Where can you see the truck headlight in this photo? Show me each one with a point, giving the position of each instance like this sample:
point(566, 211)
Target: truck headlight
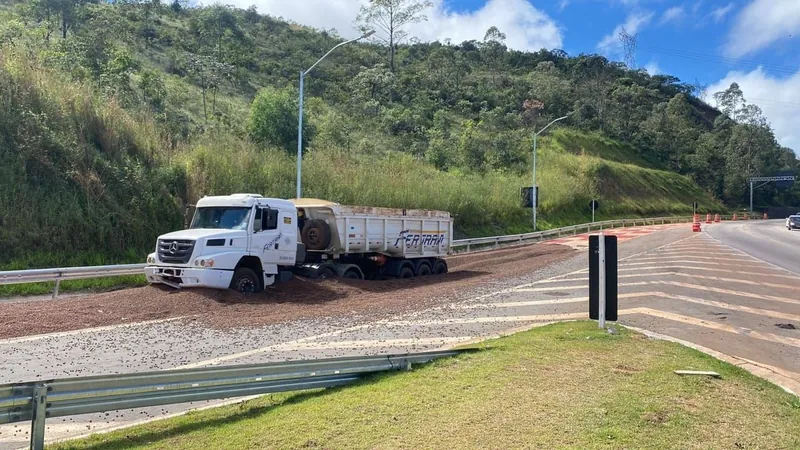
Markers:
point(204, 262)
point(151, 259)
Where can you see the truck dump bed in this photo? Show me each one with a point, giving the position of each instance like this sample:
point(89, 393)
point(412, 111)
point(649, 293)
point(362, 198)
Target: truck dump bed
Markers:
point(401, 233)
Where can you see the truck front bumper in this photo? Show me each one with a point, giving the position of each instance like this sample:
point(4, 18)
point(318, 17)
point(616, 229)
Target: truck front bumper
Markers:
point(185, 277)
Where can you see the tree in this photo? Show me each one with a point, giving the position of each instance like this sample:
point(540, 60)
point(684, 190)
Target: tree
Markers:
point(178, 6)
point(493, 49)
point(273, 119)
point(153, 89)
point(208, 73)
point(388, 17)
point(372, 88)
point(57, 13)
point(730, 101)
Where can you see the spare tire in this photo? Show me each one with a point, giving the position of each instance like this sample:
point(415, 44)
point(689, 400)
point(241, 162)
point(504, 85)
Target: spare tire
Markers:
point(316, 234)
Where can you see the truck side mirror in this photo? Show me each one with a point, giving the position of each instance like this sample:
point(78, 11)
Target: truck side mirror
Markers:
point(257, 221)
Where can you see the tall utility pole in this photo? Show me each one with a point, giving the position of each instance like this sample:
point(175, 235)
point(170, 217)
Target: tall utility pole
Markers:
point(629, 47)
point(535, 190)
point(300, 103)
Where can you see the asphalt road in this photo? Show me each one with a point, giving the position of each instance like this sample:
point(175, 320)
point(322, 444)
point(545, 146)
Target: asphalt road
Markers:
point(181, 342)
point(683, 285)
point(767, 240)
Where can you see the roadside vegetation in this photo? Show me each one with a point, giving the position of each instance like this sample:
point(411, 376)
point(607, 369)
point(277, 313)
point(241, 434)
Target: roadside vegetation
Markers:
point(567, 385)
point(115, 117)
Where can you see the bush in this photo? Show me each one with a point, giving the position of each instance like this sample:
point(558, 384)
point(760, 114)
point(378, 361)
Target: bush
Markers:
point(273, 119)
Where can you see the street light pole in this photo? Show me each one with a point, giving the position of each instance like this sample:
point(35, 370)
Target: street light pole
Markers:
point(535, 191)
point(300, 107)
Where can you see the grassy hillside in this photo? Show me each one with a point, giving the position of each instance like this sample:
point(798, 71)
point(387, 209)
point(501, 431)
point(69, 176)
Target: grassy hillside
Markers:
point(105, 140)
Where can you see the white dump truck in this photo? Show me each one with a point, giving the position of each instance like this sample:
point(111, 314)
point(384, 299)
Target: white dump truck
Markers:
point(246, 242)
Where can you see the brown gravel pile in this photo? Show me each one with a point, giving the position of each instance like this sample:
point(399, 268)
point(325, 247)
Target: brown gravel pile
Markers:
point(300, 298)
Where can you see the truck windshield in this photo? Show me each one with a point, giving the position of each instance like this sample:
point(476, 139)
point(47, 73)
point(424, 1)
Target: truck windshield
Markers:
point(231, 218)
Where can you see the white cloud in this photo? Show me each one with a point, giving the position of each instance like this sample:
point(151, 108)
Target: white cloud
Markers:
point(562, 5)
point(720, 13)
point(779, 98)
point(526, 27)
point(673, 14)
point(653, 68)
point(761, 23)
point(634, 23)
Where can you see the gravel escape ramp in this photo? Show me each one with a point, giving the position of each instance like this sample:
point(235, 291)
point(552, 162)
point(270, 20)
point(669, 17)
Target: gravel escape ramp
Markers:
point(299, 299)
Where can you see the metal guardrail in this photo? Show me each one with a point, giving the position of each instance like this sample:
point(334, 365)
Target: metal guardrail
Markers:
point(496, 241)
point(68, 273)
point(75, 273)
point(40, 400)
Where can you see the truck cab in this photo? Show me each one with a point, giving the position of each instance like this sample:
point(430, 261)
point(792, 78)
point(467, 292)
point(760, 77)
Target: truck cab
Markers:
point(241, 241)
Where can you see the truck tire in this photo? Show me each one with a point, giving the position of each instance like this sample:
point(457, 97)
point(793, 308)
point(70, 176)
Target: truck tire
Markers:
point(406, 272)
point(439, 267)
point(424, 269)
point(351, 275)
point(349, 271)
point(316, 234)
point(246, 281)
point(326, 272)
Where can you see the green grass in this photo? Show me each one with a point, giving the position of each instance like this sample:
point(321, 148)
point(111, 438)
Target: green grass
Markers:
point(567, 385)
point(84, 176)
point(91, 285)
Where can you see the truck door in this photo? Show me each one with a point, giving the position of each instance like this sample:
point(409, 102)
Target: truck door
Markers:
point(287, 224)
point(266, 241)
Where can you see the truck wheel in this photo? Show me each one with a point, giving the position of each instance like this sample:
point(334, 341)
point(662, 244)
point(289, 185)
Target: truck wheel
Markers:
point(326, 272)
point(406, 272)
point(245, 281)
point(316, 234)
point(352, 275)
point(439, 267)
point(423, 270)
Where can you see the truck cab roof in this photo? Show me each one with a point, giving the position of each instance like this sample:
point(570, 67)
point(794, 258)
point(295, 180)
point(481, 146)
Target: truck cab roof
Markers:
point(243, 200)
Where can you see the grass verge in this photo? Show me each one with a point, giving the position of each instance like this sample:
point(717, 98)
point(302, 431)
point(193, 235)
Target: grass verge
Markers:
point(90, 284)
point(566, 385)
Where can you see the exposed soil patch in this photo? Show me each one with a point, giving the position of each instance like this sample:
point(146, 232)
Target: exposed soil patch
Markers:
point(300, 298)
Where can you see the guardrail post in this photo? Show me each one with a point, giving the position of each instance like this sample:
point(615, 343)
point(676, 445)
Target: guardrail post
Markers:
point(467, 246)
point(39, 416)
point(497, 243)
point(55, 290)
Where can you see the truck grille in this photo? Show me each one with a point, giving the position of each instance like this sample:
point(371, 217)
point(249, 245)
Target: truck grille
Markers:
point(175, 251)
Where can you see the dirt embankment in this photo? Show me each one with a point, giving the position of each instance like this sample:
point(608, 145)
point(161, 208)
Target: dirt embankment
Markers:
point(300, 298)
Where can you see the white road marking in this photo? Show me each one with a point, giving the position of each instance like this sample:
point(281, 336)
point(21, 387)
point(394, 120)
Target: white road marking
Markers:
point(687, 275)
point(793, 342)
point(731, 292)
point(272, 347)
point(691, 261)
point(656, 258)
point(496, 319)
point(373, 343)
point(557, 301)
point(60, 334)
point(743, 272)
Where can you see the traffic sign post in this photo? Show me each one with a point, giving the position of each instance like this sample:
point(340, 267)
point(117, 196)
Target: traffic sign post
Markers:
point(594, 205)
point(603, 301)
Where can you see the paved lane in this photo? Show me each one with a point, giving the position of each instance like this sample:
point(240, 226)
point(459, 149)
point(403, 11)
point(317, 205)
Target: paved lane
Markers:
point(768, 240)
point(183, 342)
point(685, 285)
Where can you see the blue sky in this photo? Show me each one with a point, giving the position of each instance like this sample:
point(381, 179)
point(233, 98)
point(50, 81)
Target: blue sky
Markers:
point(713, 42)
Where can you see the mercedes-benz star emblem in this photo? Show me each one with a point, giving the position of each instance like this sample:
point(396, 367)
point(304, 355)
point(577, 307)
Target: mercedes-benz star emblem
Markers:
point(173, 247)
